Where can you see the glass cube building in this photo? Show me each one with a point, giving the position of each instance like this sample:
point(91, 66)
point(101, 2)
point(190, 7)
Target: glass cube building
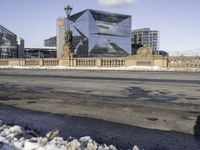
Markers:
point(100, 34)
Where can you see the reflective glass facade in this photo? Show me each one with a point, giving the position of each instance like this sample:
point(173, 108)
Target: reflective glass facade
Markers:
point(98, 33)
point(8, 43)
point(50, 42)
point(40, 52)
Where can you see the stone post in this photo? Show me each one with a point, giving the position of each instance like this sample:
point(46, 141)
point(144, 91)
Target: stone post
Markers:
point(41, 62)
point(98, 62)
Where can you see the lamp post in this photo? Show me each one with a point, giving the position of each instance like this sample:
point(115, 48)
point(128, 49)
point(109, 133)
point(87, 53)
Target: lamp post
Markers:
point(68, 48)
point(68, 10)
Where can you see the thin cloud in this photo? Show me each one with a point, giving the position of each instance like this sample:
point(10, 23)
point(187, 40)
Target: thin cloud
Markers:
point(116, 3)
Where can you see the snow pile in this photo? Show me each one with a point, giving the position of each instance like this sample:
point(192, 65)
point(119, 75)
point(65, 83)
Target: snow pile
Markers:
point(130, 68)
point(16, 138)
point(33, 67)
point(140, 68)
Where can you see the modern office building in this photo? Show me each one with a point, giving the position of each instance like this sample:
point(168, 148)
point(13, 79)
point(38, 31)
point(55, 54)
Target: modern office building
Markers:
point(146, 36)
point(50, 42)
point(11, 46)
point(8, 43)
point(97, 33)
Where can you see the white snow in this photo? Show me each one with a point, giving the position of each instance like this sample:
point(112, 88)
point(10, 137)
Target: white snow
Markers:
point(133, 68)
point(145, 68)
point(32, 67)
point(13, 138)
point(16, 129)
point(135, 148)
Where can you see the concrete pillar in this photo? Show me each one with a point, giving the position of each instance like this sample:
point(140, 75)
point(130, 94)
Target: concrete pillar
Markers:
point(22, 62)
point(64, 62)
point(75, 62)
point(98, 62)
point(41, 62)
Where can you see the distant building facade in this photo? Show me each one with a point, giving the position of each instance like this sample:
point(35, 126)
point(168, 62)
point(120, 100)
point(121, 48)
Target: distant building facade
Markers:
point(50, 42)
point(40, 52)
point(20, 47)
point(97, 34)
point(11, 46)
point(8, 43)
point(145, 36)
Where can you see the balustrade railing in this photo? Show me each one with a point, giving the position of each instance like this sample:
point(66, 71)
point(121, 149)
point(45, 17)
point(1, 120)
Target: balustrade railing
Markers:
point(184, 62)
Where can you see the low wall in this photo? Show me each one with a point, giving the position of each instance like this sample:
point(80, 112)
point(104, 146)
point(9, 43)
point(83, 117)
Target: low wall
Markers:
point(85, 62)
point(183, 62)
point(29, 62)
point(4, 62)
point(134, 60)
point(154, 60)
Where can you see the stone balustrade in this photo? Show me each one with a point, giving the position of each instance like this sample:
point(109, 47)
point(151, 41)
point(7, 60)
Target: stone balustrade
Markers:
point(113, 62)
point(4, 62)
point(50, 62)
point(85, 62)
point(155, 60)
point(100, 62)
point(29, 62)
point(32, 62)
point(183, 62)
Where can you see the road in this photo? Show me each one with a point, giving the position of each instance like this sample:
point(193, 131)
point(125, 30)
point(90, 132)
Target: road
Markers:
point(166, 101)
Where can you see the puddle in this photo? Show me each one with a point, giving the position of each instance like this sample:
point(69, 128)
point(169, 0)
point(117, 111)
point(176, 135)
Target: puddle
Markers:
point(7, 87)
point(8, 98)
point(138, 93)
point(88, 91)
point(164, 93)
point(152, 119)
point(192, 98)
point(194, 112)
point(36, 89)
point(31, 102)
point(163, 98)
point(17, 88)
point(181, 94)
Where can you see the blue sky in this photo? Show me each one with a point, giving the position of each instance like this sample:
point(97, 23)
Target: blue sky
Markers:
point(177, 20)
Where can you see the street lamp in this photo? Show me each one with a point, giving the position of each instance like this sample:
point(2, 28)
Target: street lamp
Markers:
point(68, 10)
point(68, 48)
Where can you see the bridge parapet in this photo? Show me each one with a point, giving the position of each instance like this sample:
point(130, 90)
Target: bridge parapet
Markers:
point(184, 62)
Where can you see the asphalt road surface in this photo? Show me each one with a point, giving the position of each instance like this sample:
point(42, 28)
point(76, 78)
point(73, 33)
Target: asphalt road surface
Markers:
point(150, 109)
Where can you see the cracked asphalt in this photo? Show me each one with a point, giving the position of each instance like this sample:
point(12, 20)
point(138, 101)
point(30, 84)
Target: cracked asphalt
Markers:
point(159, 104)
